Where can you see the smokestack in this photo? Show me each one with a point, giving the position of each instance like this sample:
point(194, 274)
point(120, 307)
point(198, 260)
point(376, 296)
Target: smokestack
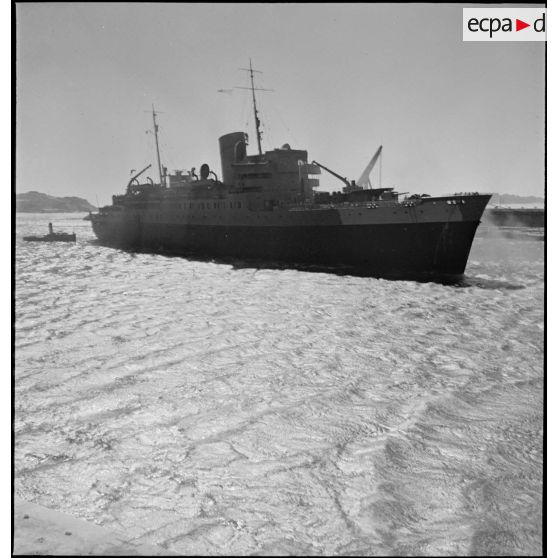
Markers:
point(233, 150)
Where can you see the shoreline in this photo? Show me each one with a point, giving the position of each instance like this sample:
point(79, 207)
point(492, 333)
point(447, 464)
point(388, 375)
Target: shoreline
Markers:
point(44, 531)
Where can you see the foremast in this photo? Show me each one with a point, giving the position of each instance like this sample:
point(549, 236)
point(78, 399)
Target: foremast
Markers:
point(155, 131)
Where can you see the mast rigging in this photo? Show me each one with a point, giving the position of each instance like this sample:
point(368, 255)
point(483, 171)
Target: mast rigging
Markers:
point(155, 130)
point(254, 89)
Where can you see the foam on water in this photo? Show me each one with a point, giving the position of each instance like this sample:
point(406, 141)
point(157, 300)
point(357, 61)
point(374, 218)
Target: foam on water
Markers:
point(220, 410)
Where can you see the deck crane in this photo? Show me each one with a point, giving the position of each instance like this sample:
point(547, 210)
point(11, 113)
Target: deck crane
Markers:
point(135, 177)
point(364, 180)
point(347, 183)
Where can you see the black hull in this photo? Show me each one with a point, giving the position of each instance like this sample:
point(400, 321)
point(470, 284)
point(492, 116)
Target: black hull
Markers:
point(378, 250)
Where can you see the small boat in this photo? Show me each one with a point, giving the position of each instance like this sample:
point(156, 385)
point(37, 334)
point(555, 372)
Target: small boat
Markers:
point(52, 236)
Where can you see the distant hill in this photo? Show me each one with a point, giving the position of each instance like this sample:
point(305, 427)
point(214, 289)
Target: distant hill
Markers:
point(35, 202)
point(508, 199)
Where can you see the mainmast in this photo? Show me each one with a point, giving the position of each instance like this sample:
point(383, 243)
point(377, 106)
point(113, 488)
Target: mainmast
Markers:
point(254, 89)
point(257, 120)
point(155, 130)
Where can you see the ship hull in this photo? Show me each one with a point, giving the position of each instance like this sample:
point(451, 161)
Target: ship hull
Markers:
point(377, 249)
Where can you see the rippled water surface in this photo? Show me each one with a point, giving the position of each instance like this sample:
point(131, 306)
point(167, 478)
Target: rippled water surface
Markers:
point(214, 409)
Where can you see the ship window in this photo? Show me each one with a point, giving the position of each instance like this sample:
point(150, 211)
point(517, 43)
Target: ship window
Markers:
point(215, 205)
point(239, 205)
point(256, 175)
point(231, 205)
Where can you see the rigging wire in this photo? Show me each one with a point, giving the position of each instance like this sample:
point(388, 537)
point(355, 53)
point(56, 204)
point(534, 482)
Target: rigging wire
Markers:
point(266, 122)
point(270, 112)
point(166, 155)
point(267, 128)
point(245, 115)
point(290, 134)
point(149, 150)
point(380, 168)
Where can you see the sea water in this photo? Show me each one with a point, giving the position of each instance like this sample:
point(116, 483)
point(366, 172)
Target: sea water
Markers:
point(213, 408)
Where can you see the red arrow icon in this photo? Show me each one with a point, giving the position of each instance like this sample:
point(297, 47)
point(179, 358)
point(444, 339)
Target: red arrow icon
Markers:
point(519, 25)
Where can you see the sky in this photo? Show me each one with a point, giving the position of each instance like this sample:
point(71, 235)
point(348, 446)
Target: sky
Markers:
point(452, 116)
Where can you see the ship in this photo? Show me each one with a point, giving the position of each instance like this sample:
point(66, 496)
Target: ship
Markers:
point(266, 208)
point(52, 236)
point(516, 217)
